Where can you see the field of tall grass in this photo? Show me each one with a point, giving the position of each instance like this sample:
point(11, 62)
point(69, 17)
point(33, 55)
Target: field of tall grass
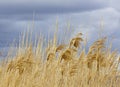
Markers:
point(61, 64)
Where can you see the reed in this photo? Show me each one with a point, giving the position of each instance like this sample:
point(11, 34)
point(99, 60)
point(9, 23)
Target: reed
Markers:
point(61, 65)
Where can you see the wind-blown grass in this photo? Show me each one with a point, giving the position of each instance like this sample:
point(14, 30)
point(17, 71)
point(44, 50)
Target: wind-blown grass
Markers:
point(61, 65)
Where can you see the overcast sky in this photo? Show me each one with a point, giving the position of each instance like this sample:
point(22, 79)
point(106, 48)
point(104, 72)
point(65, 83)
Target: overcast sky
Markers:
point(84, 16)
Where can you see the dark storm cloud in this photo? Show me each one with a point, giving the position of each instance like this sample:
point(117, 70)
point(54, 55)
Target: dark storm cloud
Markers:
point(28, 9)
point(24, 17)
point(14, 10)
point(14, 15)
point(24, 9)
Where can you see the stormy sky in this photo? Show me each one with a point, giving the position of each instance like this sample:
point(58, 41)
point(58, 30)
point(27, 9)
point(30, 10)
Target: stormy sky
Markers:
point(84, 16)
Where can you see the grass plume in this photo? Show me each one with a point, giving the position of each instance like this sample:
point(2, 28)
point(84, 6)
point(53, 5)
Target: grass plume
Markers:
point(61, 66)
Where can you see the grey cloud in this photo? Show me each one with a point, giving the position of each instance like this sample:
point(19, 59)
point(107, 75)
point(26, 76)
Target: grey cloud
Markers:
point(89, 24)
point(115, 4)
point(50, 7)
point(84, 16)
point(25, 17)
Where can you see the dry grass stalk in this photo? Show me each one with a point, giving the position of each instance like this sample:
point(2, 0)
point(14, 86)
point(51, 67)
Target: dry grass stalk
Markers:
point(97, 68)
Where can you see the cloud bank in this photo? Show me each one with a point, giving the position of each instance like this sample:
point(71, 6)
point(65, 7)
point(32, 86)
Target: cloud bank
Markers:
point(84, 16)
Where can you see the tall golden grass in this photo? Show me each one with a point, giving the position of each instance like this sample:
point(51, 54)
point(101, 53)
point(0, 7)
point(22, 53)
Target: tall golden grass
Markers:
point(61, 65)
